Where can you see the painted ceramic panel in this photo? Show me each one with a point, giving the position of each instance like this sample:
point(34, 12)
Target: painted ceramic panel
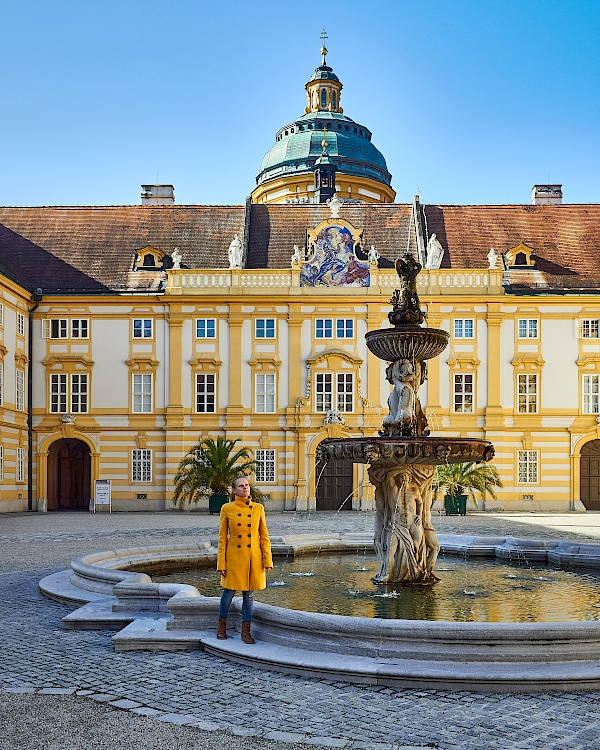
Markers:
point(333, 262)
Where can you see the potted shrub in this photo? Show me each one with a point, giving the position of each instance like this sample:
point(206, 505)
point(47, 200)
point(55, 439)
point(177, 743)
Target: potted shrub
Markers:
point(209, 468)
point(458, 481)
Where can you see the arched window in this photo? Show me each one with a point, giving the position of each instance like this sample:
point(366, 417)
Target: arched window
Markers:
point(323, 98)
point(520, 259)
point(333, 98)
point(148, 259)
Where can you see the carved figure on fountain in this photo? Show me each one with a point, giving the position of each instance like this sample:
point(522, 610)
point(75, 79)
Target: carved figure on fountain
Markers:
point(406, 417)
point(405, 300)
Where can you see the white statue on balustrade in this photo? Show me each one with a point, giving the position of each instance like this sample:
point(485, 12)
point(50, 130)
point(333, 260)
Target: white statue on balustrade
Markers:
point(176, 258)
point(235, 253)
point(296, 257)
point(334, 207)
point(373, 255)
point(493, 257)
point(435, 253)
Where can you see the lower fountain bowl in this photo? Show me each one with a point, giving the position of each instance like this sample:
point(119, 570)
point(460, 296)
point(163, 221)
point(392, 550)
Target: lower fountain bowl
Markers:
point(391, 451)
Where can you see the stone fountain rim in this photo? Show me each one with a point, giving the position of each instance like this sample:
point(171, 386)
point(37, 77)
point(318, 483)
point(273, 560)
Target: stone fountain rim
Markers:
point(499, 657)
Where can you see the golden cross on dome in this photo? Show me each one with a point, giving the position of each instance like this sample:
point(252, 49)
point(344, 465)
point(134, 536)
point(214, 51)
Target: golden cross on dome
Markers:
point(323, 47)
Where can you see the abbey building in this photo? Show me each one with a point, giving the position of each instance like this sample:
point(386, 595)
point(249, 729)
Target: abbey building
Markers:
point(129, 333)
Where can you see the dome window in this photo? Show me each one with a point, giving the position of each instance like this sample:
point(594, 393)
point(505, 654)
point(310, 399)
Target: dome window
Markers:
point(323, 98)
point(346, 127)
point(286, 132)
point(333, 98)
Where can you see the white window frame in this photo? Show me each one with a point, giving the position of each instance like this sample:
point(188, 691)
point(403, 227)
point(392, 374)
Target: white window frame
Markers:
point(528, 468)
point(142, 393)
point(206, 392)
point(20, 468)
point(209, 323)
point(265, 392)
point(461, 394)
point(323, 328)
point(1, 463)
point(590, 391)
point(264, 467)
point(59, 392)
point(344, 392)
point(20, 324)
point(590, 328)
point(1, 313)
point(80, 328)
point(334, 390)
point(267, 331)
point(142, 328)
point(525, 381)
point(344, 328)
point(20, 390)
point(528, 328)
point(55, 328)
point(460, 326)
point(323, 391)
point(80, 392)
point(141, 465)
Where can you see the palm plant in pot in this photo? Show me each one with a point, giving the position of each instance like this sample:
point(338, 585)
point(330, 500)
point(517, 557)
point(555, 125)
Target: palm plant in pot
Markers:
point(209, 468)
point(459, 481)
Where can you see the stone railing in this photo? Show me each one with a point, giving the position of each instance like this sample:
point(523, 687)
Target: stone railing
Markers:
point(251, 281)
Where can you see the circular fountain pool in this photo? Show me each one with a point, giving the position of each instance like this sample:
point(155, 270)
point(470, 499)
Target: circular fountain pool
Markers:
point(474, 591)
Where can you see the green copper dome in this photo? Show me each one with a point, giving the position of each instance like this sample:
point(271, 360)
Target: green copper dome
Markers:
point(298, 146)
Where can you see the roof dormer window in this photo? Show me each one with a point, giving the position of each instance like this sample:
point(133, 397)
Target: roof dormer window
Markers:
point(149, 259)
point(520, 256)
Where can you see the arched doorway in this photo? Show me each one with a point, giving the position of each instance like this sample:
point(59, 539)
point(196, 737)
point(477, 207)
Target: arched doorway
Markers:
point(335, 485)
point(590, 475)
point(69, 475)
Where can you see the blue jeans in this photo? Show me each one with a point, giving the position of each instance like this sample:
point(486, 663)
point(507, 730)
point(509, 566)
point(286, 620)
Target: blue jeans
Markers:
point(247, 603)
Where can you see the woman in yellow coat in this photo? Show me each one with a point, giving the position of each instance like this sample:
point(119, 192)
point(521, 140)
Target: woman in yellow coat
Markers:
point(244, 554)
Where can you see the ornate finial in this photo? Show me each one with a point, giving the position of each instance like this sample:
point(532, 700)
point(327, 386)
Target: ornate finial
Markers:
point(324, 141)
point(323, 47)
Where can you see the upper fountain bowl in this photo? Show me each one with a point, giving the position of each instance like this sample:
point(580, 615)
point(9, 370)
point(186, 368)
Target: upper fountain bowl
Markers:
point(412, 343)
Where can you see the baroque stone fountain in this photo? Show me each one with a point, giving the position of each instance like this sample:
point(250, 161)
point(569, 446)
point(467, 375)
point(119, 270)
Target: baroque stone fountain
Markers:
point(403, 457)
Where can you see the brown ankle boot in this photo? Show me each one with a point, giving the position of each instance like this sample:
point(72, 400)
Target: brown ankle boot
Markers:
point(246, 637)
point(222, 629)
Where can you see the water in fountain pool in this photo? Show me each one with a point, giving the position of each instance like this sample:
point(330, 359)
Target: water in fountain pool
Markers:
point(470, 591)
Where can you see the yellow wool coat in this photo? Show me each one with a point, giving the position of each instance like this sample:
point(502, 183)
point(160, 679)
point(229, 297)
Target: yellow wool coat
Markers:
point(244, 546)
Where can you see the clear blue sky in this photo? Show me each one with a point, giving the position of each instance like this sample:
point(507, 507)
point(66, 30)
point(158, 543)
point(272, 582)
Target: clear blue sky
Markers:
point(470, 102)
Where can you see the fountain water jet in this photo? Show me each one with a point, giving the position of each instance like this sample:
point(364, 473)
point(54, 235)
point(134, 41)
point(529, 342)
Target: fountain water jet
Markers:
point(403, 457)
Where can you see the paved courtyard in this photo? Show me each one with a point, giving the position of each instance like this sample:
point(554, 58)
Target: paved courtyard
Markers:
point(64, 689)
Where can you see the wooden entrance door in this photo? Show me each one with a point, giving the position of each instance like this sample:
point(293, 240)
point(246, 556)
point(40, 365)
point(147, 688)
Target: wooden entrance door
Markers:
point(335, 485)
point(69, 475)
point(590, 475)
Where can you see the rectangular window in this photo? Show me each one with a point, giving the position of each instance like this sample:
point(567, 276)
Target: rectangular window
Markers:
point(464, 328)
point(1, 381)
point(590, 329)
point(265, 465)
point(206, 328)
point(324, 328)
point(265, 392)
point(20, 324)
point(345, 391)
point(324, 391)
point(528, 328)
point(264, 328)
point(528, 467)
point(1, 463)
point(142, 328)
point(528, 393)
point(79, 393)
point(205, 393)
point(58, 393)
point(141, 465)
point(58, 328)
point(463, 393)
point(142, 393)
point(1, 314)
point(79, 328)
point(20, 464)
point(20, 390)
point(590, 394)
point(344, 328)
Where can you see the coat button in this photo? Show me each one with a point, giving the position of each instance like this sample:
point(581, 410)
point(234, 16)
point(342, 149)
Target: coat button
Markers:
point(239, 545)
point(239, 524)
point(239, 514)
point(249, 506)
point(249, 516)
point(249, 524)
point(249, 545)
point(239, 536)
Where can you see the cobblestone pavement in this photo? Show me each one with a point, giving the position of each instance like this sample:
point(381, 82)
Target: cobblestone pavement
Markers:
point(88, 696)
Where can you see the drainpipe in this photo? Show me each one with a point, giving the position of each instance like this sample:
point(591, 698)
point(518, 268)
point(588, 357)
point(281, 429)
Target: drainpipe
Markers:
point(37, 298)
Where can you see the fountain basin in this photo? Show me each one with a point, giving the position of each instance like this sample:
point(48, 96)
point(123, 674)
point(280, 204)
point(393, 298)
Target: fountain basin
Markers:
point(412, 343)
point(395, 451)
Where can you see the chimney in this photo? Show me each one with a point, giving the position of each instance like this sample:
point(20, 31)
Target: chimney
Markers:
point(158, 195)
point(544, 195)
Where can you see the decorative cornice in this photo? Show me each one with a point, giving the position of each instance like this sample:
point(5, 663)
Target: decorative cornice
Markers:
point(71, 359)
point(315, 357)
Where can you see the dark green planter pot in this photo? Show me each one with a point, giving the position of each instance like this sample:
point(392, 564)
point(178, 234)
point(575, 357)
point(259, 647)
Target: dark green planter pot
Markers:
point(215, 502)
point(455, 505)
